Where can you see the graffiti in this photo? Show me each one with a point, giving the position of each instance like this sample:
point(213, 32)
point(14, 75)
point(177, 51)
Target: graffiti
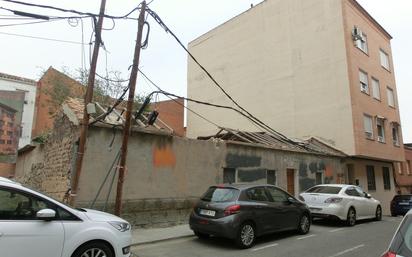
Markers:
point(235, 161)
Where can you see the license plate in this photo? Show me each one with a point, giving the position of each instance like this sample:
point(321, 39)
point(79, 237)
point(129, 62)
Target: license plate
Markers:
point(207, 212)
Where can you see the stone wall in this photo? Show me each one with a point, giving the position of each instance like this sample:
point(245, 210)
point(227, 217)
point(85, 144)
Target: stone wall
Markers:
point(48, 168)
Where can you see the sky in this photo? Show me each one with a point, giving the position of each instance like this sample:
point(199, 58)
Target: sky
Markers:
point(164, 61)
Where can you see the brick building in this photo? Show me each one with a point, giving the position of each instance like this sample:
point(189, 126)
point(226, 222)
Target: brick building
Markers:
point(172, 113)
point(404, 172)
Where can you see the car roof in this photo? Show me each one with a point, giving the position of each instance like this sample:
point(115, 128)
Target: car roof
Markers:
point(242, 186)
point(6, 180)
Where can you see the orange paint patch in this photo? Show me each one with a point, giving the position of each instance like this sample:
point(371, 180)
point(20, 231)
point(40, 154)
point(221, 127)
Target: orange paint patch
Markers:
point(328, 171)
point(163, 157)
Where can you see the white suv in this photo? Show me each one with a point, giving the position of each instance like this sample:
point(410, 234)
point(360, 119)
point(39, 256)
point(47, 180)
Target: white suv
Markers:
point(32, 224)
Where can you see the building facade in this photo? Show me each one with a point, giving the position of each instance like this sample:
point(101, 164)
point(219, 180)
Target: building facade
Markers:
point(28, 88)
point(306, 68)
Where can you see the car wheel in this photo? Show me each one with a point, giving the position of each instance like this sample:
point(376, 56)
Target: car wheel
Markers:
point(246, 235)
point(378, 214)
point(94, 249)
point(351, 218)
point(201, 235)
point(304, 224)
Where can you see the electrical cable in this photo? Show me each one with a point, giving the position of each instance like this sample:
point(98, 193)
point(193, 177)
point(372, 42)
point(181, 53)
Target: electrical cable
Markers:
point(42, 38)
point(74, 11)
point(251, 117)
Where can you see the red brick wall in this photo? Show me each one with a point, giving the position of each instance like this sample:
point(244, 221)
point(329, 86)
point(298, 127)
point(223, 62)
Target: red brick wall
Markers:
point(8, 132)
point(50, 90)
point(7, 169)
point(171, 112)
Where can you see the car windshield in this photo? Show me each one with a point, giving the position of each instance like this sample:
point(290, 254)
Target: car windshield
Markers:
point(216, 194)
point(402, 242)
point(324, 190)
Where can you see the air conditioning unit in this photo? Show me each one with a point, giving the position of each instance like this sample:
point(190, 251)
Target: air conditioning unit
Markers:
point(357, 34)
point(381, 139)
point(369, 135)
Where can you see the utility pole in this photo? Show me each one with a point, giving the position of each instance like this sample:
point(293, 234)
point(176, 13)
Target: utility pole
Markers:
point(127, 126)
point(87, 99)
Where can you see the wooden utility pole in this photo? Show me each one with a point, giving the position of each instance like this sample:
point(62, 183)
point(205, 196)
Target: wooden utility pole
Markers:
point(87, 99)
point(130, 101)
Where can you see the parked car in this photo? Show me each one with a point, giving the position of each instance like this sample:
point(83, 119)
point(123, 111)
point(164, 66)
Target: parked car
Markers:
point(32, 224)
point(344, 202)
point(243, 212)
point(401, 244)
point(401, 204)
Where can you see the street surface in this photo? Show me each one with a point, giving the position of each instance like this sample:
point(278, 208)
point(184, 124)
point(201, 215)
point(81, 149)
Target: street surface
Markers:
point(326, 239)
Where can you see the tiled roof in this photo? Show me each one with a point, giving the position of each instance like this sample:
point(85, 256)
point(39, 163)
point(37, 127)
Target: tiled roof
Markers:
point(264, 139)
point(17, 78)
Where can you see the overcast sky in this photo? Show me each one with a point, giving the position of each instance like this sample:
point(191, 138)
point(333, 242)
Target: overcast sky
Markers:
point(164, 61)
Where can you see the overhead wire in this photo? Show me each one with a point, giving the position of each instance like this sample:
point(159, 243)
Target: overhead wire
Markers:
point(251, 117)
point(42, 38)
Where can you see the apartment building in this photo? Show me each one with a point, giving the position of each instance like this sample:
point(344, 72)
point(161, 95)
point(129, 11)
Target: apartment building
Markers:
point(306, 68)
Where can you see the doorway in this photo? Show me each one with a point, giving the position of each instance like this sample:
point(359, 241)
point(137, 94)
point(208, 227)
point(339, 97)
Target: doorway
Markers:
point(290, 181)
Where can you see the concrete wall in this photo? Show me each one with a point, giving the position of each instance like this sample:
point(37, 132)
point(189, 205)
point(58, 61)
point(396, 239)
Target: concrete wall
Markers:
point(365, 103)
point(166, 175)
point(29, 90)
point(285, 62)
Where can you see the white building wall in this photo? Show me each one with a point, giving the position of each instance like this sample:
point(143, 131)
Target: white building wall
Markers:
point(286, 63)
point(29, 105)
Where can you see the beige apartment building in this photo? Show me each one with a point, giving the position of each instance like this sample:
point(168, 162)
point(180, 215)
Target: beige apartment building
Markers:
point(306, 68)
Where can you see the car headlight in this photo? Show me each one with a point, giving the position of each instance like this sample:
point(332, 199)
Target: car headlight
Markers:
point(121, 226)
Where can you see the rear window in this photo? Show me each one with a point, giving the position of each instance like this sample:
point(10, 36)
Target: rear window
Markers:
point(402, 242)
point(217, 194)
point(324, 190)
point(402, 197)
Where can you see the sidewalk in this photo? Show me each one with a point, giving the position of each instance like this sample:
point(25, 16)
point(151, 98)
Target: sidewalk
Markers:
point(153, 235)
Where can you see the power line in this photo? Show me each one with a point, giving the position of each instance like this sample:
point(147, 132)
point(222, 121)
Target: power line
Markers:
point(126, 16)
point(250, 116)
point(174, 100)
point(42, 38)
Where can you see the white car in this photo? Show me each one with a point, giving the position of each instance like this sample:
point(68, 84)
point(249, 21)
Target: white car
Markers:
point(345, 202)
point(32, 224)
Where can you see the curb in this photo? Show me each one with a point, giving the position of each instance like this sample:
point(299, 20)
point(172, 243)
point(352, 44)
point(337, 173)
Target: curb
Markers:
point(161, 240)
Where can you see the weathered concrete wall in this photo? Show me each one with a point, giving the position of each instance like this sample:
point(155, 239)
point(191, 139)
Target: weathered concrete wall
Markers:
point(166, 175)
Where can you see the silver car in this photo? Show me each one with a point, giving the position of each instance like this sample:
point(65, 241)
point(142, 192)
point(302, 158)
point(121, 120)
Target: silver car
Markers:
point(344, 202)
point(401, 244)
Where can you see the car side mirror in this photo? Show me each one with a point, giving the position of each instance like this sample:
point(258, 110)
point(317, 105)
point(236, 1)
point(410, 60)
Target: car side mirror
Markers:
point(46, 214)
point(368, 196)
point(291, 200)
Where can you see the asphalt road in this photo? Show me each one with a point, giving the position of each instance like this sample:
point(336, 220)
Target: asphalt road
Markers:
point(326, 239)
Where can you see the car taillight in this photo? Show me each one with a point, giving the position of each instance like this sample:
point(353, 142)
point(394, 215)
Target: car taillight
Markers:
point(301, 198)
point(232, 209)
point(389, 254)
point(333, 200)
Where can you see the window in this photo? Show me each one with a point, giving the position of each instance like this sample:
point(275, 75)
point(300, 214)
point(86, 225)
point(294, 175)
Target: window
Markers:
point(363, 79)
point(386, 178)
point(384, 59)
point(277, 195)
point(10, 133)
point(257, 194)
point(324, 190)
point(361, 41)
point(370, 174)
point(229, 175)
point(380, 125)
point(9, 142)
point(352, 192)
point(2, 141)
point(17, 206)
point(391, 97)
point(216, 194)
point(395, 134)
point(271, 177)
point(368, 126)
point(408, 166)
point(376, 90)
